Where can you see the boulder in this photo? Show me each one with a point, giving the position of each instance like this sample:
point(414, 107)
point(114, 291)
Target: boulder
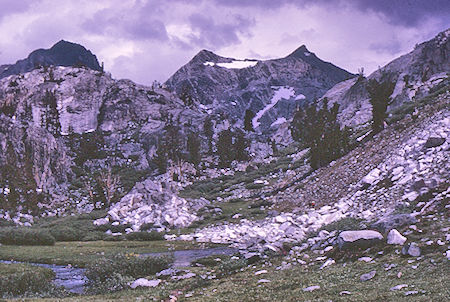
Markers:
point(394, 237)
point(390, 222)
point(368, 276)
point(311, 288)
point(145, 283)
point(411, 249)
point(434, 142)
point(358, 239)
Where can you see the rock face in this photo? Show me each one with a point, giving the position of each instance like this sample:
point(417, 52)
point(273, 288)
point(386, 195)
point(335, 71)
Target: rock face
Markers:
point(62, 53)
point(58, 119)
point(271, 89)
point(415, 74)
point(358, 239)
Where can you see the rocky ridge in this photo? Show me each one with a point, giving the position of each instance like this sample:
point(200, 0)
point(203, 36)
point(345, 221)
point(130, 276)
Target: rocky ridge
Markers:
point(272, 88)
point(416, 74)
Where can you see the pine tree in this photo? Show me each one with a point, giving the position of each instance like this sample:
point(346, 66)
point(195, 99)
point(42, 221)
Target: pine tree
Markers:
point(50, 116)
point(320, 131)
point(174, 142)
point(193, 148)
point(225, 148)
point(160, 158)
point(208, 130)
point(240, 146)
point(379, 93)
point(186, 96)
point(248, 117)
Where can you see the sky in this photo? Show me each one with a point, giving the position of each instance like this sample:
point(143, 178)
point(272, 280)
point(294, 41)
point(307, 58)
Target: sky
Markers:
point(147, 40)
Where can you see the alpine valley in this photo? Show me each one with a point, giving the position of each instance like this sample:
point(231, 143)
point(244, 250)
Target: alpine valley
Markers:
point(214, 165)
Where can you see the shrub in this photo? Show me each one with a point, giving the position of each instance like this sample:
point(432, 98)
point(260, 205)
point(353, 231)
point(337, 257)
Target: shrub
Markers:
point(6, 223)
point(253, 186)
point(25, 236)
point(113, 283)
point(66, 234)
point(145, 236)
point(19, 279)
point(114, 228)
point(231, 266)
point(94, 236)
point(344, 224)
point(130, 265)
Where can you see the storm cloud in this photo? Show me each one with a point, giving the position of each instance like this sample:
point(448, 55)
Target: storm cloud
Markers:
point(146, 40)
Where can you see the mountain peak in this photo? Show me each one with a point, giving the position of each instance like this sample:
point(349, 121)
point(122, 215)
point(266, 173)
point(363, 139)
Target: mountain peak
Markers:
point(63, 53)
point(300, 52)
point(205, 55)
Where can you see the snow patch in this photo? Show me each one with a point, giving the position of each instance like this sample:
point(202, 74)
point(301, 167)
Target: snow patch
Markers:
point(307, 53)
point(235, 64)
point(300, 97)
point(279, 121)
point(280, 93)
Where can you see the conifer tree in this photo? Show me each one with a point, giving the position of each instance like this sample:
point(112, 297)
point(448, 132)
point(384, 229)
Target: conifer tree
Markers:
point(240, 146)
point(225, 148)
point(161, 157)
point(248, 117)
point(193, 148)
point(208, 130)
point(50, 116)
point(320, 131)
point(379, 93)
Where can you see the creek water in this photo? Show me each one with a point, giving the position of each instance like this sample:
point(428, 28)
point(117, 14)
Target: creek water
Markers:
point(73, 279)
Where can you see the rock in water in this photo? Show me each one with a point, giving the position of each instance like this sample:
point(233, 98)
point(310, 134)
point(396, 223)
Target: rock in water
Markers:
point(394, 237)
point(145, 283)
point(358, 239)
point(368, 276)
point(411, 249)
point(434, 142)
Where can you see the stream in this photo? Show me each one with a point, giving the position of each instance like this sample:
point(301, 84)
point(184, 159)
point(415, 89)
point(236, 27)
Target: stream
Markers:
point(74, 280)
point(71, 278)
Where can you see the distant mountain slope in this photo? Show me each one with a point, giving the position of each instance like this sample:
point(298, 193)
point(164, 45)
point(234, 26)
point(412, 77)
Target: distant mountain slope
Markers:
point(229, 86)
point(416, 74)
point(62, 53)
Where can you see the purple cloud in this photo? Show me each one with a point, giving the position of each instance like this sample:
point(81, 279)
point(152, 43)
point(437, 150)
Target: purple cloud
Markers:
point(9, 7)
point(402, 12)
point(215, 34)
point(134, 24)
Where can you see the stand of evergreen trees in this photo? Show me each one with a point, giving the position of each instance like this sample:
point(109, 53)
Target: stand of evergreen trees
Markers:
point(320, 131)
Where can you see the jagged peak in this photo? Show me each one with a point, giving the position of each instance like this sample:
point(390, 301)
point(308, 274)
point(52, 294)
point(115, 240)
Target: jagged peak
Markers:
point(205, 55)
point(300, 52)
